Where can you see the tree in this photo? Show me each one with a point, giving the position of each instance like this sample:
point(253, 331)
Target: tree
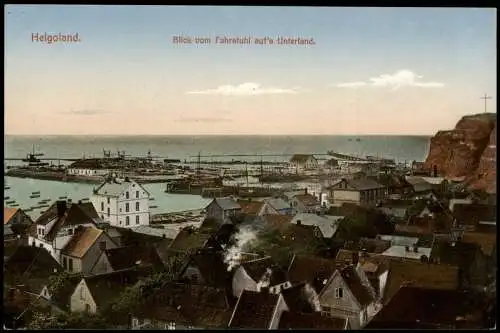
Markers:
point(364, 222)
point(59, 280)
point(133, 297)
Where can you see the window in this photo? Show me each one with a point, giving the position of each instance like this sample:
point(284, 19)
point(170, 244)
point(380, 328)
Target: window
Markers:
point(339, 293)
point(137, 206)
point(70, 264)
point(108, 211)
point(65, 262)
point(70, 231)
point(137, 194)
point(109, 201)
point(33, 243)
point(41, 245)
point(87, 308)
point(171, 326)
point(127, 207)
point(135, 323)
point(82, 293)
point(137, 219)
point(43, 232)
point(127, 220)
point(102, 206)
point(127, 195)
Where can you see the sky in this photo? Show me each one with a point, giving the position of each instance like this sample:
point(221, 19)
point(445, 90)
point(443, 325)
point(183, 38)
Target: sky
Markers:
point(388, 71)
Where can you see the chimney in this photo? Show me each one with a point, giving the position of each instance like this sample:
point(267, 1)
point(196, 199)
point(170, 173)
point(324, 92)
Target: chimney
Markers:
point(355, 258)
point(299, 222)
point(305, 190)
point(61, 207)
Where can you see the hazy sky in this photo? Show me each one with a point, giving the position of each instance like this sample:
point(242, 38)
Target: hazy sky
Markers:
point(371, 71)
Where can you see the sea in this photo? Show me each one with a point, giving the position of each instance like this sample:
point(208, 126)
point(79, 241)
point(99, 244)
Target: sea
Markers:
point(403, 149)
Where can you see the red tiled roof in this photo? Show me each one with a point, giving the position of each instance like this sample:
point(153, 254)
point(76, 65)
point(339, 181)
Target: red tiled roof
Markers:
point(81, 241)
point(8, 213)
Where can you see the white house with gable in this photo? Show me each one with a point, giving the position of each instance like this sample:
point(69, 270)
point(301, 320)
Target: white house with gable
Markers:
point(123, 204)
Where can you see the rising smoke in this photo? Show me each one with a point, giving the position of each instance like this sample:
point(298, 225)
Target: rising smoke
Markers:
point(312, 297)
point(265, 281)
point(244, 237)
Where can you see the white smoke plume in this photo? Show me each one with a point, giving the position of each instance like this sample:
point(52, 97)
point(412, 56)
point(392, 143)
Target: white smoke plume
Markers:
point(312, 297)
point(265, 281)
point(244, 237)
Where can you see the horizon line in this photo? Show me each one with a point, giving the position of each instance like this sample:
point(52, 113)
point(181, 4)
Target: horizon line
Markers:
point(136, 135)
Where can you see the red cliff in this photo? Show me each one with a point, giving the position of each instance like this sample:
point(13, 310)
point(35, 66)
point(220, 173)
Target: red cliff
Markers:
point(467, 152)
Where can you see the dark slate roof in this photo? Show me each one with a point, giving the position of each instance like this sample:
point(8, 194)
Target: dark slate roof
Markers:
point(30, 266)
point(227, 203)
point(371, 245)
point(352, 279)
point(423, 275)
point(310, 321)
point(314, 270)
point(76, 213)
point(278, 276)
point(189, 239)
point(131, 256)
point(188, 304)
point(301, 158)
point(257, 268)
point(104, 288)
point(391, 180)
point(363, 184)
point(413, 307)
point(298, 298)
point(36, 259)
point(212, 267)
point(254, 310)
point(307, 199)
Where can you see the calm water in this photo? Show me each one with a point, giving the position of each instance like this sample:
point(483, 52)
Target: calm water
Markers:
point(21, 188)
point(401, 148)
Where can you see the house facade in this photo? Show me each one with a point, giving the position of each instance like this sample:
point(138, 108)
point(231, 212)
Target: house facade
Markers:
point(347, 295)
point(279, 205)
point(55, 228)
point(122, 204)
point(302, 162)
point(305, 203)
point(222, 209)
point(87, 172)
point(82, 252)
point(358, 191)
